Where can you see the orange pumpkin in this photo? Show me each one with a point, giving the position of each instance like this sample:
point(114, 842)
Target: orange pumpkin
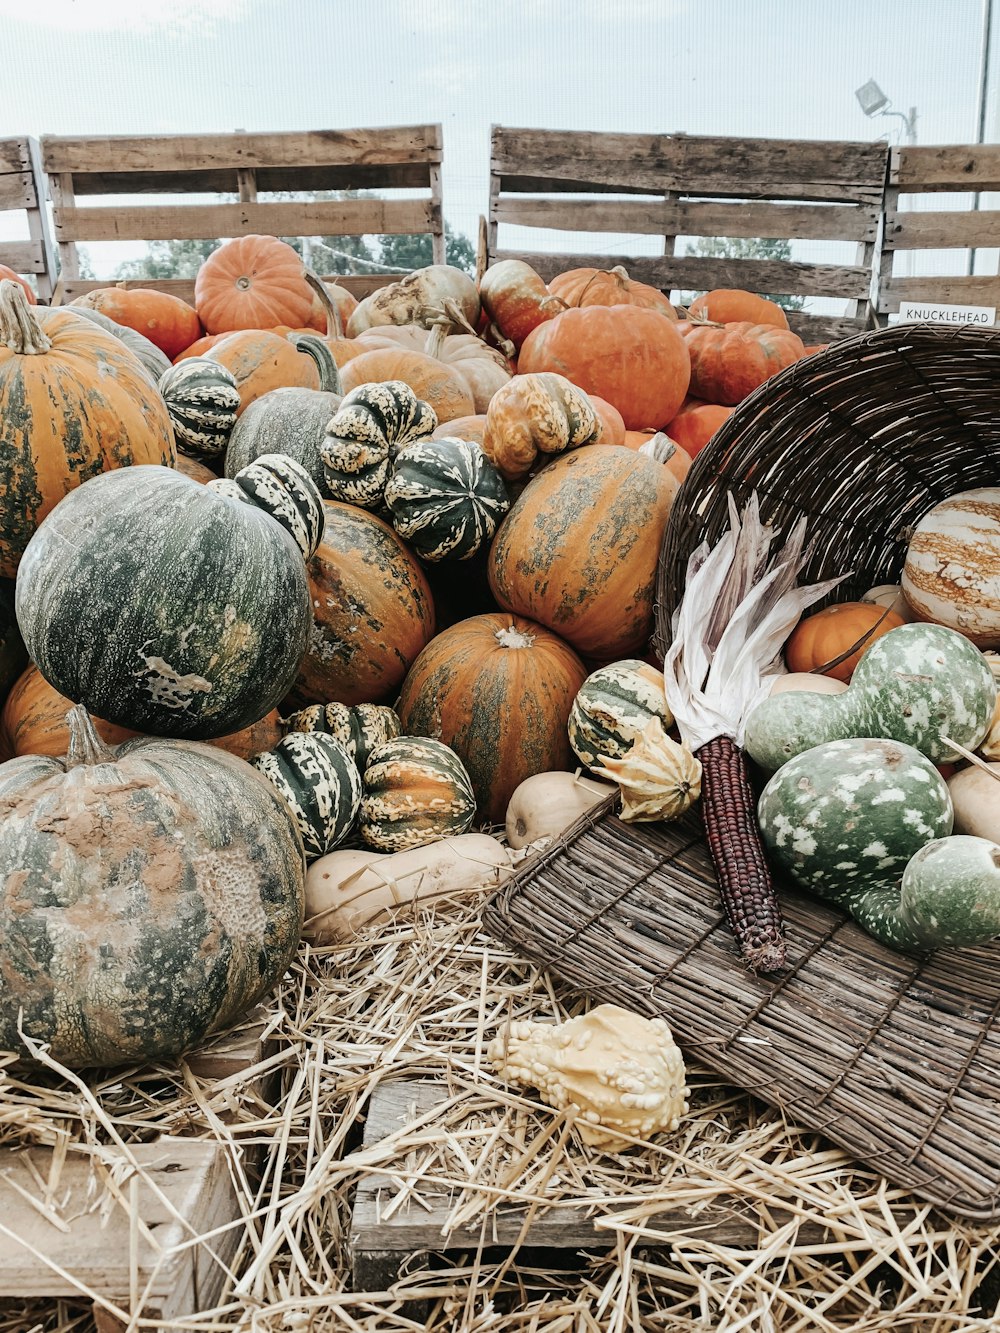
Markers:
point(729, 361)
point(342, 348)
point(516, 299)
point(261, 361)
point(200, 346)
point(696, 423)
point(431, 380)
point(821, 638)
point(483, 368)
point(631, 357)
point(372, 611)
point(677, 460)
point(612, 425)
point(6, 272)
point(579, 548)
point(598, 286)
point(729, 305)
point(252, 282)
point(74, 402)
point(462, 428)
point(34, 722)
point(344, 301)
point(165, 320)
point(474, 678)
point(195, 470)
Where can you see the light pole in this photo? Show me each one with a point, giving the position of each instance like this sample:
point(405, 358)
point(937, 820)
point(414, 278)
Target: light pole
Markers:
point(875, 103)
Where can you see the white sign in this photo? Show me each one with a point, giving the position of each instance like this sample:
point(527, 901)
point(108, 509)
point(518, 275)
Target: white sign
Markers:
point(934, 312)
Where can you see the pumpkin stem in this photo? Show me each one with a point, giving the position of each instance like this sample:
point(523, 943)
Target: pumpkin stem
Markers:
point(85, 746)
point(19, 328)
point(334, 324)
point(439, 328)
point(313, 345)
point(661, 448)
point(696, 317)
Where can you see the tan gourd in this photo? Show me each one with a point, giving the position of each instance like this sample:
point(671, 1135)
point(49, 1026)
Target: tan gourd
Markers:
point(975, 794)
point(346, 891)
point(808, 680)
point(659, 778)
point(547, 803)
point(622, 1072)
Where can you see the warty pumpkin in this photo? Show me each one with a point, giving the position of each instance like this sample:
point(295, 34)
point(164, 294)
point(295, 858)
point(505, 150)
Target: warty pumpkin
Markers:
point(446, 499)
point(372, 611)
point(578, 550)
point(417, 299)
point(252, 282)
point(534, 416)
point(598, 286)
point(435, 383)
point(185, 910)
point(415, 791)
point(261, 361)
point(729, 361)
point(498, 690)
point(167, 321)
point(631, 357)
point(214, 594)
point(817, 640)
point(74, 402)
point(371, 425)
point(516, 299)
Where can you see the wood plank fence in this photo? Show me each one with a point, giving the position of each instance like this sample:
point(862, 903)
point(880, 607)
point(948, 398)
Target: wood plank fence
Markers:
point(22, 188)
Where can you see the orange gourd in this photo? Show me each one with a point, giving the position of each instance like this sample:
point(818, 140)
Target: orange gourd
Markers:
point(261, 361)
point(195, 470)
point(579, 548)
point(820, 639)
point(597, 286)
point(477, 677)
point(431, 380)
point(6, 272)
point(729, 361)
point(252, 282)
point(165, 320)
point(729, 305)
point(516, 299)
point(612, 425)
point(200, 346)
point(696, 423)
point(533, 417)
point(631, 357)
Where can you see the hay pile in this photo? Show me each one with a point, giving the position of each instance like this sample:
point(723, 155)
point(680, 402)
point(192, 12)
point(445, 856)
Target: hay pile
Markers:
point(420, 1000)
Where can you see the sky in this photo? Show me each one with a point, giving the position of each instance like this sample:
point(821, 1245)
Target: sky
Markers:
point(781, 68)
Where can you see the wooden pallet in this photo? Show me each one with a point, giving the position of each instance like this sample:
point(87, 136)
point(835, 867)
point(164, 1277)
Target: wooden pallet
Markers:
point(681, 185)
point(123, 1230)
point(22, 188)
point(383, 1238)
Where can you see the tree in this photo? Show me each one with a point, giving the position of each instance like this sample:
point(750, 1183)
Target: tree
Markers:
point(739, 247)
point(168, 259)
point(410, 252)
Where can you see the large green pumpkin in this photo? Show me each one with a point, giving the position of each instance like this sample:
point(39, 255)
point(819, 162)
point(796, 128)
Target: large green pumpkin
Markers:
point(153, 895)
point(155, 362)
point(165, 606)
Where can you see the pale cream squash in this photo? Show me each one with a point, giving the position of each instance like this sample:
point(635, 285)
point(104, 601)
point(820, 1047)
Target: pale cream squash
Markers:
point(547, 803)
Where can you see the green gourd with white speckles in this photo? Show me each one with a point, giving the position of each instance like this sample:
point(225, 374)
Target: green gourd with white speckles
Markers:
point(917, 684)
point(864, 823)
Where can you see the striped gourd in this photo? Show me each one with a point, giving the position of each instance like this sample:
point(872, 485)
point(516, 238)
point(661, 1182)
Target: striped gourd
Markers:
point(446, 498)
point(203, 399)
point(371, 425)
point(359, 728)
point(282, 488)
point(319, 781)
point(951, 574)
point(415, 791)
point(612, 707)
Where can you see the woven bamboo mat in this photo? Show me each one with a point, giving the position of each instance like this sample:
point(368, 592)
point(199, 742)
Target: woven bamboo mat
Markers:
point(894, 1058)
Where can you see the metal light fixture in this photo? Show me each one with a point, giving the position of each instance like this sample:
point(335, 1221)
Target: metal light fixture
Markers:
point(872, 98)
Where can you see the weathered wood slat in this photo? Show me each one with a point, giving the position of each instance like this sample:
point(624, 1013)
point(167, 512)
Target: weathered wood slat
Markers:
point(17, 190)
point(724, 183)
point(178, 152)
point(695, 273)
point(826, 328)
point(403, 175)
point(943, 230)
point(946, 167)
point(22, 256)
point(68, 289)
point(348, 217)
point(785, 221)
point(14, 154)
point(978, 290)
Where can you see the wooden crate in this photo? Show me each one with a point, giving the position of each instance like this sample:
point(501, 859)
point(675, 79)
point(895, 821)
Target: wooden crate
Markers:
point(390, 1224)
point(694, 186)
point(247, 165)
point(22, 188)
point(926, 172)
point(136, 1256)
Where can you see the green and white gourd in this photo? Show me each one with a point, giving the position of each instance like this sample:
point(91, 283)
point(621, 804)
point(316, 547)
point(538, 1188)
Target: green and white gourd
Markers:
point(446, 498)
point(319, 781)
point(202, 398)
point(864, 824)
point(282, 488)
point(290, 420)
point(369, 428)
point(918, 684)
point(359, 727)
point(415, 791)
point(613, 707)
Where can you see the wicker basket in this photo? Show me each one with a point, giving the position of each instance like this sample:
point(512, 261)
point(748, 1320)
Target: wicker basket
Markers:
point(895, 1058)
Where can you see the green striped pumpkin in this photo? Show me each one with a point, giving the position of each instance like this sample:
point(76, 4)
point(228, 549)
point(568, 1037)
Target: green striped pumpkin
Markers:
point(371, 425)
point(359, 727)
point(319, 781)
point(282, 488)
point(415, 791)
point(613, 707)
point(446, 498)
point(202, 399)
